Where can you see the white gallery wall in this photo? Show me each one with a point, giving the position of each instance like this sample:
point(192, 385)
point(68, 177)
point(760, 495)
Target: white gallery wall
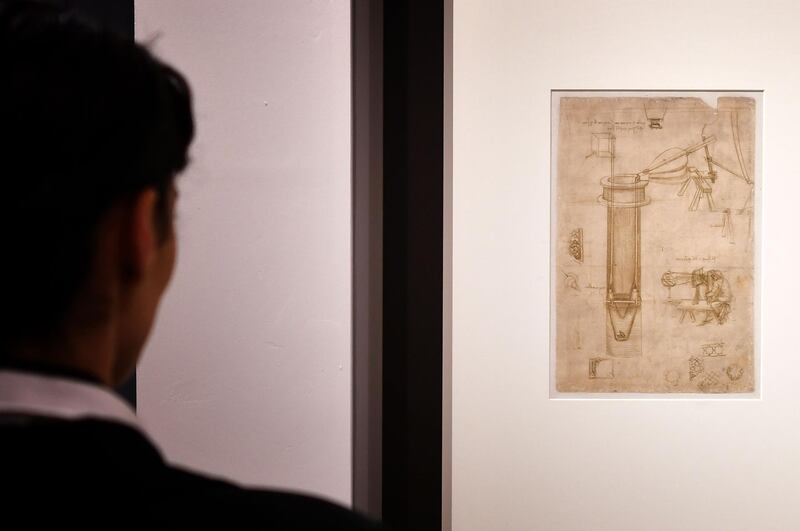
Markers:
point(520, 459)
point(247, 374)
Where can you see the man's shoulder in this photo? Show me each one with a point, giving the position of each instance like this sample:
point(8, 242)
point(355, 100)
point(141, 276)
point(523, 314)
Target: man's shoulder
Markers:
point(281, 509)
point(49, 460)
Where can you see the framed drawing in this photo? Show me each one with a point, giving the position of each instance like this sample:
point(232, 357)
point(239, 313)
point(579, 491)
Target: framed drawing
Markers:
point(654, 209)
point(643, 377)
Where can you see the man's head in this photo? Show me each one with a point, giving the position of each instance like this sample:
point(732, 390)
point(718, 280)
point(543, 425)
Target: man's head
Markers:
point(93, 131)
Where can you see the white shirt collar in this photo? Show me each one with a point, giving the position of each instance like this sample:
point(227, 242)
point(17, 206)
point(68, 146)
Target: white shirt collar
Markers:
point(58, 396)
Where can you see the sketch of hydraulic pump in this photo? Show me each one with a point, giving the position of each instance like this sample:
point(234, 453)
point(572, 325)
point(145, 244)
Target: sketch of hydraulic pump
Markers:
point(624, 195)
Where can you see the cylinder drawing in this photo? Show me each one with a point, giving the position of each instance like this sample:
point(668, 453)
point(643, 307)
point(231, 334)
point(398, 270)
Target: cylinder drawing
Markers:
point(623, 195)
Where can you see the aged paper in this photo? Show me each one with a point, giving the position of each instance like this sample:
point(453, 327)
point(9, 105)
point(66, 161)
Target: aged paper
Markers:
point(654, 219)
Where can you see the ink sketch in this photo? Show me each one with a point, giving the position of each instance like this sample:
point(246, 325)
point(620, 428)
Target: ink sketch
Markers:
point(654, 241)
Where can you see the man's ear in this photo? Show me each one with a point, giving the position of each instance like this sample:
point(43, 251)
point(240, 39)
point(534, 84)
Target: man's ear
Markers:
point(139, 236)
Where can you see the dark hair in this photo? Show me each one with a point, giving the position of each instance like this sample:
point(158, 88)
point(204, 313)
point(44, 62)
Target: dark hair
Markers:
point(87, 119)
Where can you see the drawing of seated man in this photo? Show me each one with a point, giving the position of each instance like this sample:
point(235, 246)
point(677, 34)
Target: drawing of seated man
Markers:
point(712, 294)
point(718, 296)
point(713, 287)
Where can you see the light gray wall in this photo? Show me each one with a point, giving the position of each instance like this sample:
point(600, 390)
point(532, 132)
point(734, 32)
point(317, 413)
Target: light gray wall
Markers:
point(248, 372)
point(524, 460)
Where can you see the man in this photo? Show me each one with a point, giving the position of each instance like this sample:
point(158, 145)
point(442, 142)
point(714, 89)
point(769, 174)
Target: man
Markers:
point(718, 296)
point(93, 131)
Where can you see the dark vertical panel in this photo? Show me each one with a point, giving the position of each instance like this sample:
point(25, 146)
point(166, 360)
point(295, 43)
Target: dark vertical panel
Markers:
point(447, 280)
point(117, 15)
point(367, 46)
point(412, 323)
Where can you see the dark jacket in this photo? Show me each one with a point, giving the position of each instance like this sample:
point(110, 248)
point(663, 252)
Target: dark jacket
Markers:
point(71, 470)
